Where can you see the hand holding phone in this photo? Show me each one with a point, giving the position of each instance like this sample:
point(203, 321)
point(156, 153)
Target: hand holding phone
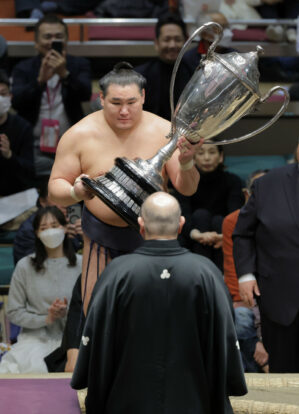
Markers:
point(57, 45)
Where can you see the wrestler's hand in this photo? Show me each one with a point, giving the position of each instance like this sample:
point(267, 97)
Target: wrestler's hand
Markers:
point(187, 150)
point(81, 190)
point(247, 289)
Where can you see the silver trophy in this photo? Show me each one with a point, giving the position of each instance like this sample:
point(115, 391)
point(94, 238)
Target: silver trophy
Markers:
point(223, 89)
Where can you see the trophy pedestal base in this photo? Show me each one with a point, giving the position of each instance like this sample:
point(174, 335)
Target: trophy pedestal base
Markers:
point(124, 188)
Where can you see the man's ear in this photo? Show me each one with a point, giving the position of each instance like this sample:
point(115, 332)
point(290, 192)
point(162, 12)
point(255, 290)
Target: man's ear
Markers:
point(143, 95)
point(181, 224)
point(101, 98)
point(141, 226)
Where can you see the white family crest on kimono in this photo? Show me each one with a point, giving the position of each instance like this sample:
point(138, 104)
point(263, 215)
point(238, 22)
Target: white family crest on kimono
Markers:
point(85, 340)
point(165, 274)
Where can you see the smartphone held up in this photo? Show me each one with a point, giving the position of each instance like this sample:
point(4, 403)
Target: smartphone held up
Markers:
point(57, 45)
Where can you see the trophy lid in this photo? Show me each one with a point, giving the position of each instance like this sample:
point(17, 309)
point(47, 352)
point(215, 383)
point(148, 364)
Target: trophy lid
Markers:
point(244, 66)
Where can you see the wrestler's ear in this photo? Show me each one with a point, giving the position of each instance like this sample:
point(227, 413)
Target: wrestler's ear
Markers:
point(143, 95)
point(141, 226)
point(181, 224)
point(101, 98)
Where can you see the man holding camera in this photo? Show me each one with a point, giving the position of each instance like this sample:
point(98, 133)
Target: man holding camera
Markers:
point(48, 89)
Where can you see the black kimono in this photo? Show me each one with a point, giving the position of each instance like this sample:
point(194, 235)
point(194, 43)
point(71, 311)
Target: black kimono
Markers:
point(159, 337)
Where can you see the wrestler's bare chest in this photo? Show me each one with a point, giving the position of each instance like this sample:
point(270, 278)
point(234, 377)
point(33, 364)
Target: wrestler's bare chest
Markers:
point(98, 155)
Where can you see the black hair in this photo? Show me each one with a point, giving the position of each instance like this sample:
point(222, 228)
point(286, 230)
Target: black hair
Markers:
point(4, 78)
point(221, 165)
point(170, 18)
point(220, 149)
point(42, 190)
point(40, 250)
point(50, 19)
point(122, 74)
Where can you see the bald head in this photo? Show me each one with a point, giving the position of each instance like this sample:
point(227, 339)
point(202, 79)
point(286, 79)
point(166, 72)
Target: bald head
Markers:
point(160, 216)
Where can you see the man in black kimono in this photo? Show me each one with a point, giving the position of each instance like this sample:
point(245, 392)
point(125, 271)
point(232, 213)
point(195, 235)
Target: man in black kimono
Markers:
point(159, 335)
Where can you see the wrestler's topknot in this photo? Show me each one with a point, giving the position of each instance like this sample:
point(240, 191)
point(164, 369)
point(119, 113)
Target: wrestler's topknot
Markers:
point(122, 65)
point(122, 74)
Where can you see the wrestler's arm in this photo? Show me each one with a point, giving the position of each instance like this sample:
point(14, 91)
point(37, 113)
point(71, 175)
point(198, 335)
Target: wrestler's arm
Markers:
point(66, 168)
point(180, 168)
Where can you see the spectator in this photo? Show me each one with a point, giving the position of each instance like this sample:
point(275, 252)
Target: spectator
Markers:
point(158, 339)
point(40, 290)
point(48, 90)
point(246, 9)
point(169, 39)
point(24, 240)
point(193, 56)
point(16, 146)
point(279, 9)
point(64, 358)
point(239, 10)
point(247, 321)
point(266, 256)
point(219, 193)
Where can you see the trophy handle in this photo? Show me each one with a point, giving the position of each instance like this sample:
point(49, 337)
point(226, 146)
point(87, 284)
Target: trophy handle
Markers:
point(218, 33)
point(268, 124)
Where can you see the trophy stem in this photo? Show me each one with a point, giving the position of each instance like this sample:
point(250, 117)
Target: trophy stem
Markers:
point(163, 155)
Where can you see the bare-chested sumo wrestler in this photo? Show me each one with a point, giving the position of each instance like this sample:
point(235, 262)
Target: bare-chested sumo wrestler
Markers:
point(120, 129)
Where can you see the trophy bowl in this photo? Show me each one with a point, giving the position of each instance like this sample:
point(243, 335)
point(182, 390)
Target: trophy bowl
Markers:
point(223, 89)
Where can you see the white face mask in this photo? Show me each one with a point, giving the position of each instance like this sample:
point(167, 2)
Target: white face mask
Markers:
point(52, 238)
point(226, 38)
point(5, 104)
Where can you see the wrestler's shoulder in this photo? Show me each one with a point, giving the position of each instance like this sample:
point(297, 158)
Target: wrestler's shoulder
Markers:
point(156, 121)
point(86, 126)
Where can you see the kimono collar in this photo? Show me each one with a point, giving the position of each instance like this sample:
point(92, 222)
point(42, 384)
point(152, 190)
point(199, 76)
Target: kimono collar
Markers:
point(161, 247)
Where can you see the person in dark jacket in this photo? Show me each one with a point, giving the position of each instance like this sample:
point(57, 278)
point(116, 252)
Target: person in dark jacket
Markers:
point(16, 146)
point(48, 89)
point(170, 33)
point(266, 256)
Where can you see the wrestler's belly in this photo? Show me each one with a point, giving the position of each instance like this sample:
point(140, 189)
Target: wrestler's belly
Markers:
point(104, 213)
